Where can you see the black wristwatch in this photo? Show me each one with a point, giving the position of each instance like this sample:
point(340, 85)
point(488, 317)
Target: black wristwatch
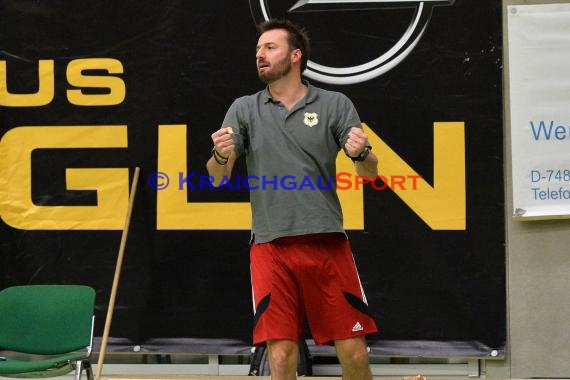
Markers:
point(362, 156)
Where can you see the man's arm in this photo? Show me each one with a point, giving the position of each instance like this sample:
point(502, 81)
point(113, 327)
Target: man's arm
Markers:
point(368, 167)
point(221, 163)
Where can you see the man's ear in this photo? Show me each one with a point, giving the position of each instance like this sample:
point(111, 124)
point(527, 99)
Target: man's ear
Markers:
point(296, 55)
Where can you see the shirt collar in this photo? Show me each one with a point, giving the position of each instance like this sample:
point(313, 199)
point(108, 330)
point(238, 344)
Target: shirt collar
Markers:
point(309, 98)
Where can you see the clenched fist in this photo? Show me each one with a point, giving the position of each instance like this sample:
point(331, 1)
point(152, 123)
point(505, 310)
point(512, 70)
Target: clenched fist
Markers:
point(356, 142)
point(223, 141)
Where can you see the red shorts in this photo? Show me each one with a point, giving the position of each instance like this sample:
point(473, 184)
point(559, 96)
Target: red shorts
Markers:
point(312, 275)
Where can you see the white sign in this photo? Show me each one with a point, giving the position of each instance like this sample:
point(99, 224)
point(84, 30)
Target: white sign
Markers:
point(539, 76)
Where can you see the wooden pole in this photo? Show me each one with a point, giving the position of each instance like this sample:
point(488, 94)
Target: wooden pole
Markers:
point(117, 275)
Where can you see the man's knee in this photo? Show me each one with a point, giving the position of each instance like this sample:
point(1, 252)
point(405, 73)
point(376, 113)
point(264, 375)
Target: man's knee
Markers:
point(282, 355)
point(352, 351)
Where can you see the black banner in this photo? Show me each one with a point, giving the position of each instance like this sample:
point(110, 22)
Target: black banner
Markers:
point(90, 90)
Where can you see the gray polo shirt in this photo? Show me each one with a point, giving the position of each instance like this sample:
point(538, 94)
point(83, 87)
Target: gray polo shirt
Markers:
point(290, 157)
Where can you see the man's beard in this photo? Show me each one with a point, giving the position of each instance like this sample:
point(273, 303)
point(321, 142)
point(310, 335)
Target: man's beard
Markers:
point(279, 70)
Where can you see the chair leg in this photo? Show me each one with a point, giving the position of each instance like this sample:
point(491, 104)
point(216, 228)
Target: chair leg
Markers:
point(78, 369)
point(88, 369)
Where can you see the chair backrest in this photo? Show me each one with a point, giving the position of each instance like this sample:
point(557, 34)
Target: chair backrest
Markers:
point(46, 319)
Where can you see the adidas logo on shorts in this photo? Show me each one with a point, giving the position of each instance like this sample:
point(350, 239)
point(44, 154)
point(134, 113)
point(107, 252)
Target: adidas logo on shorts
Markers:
point(357, 327)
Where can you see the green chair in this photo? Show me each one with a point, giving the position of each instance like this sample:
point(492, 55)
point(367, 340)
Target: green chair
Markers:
point(46, 330)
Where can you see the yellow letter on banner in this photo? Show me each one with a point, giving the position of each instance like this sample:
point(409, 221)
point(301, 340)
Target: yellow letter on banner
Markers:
point(115, 85)
point(173, 211)
point(44, 95)
point(443, 206)
point(112, 185)
point(351, 198)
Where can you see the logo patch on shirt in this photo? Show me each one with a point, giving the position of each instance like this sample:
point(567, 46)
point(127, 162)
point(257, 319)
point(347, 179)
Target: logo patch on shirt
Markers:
point(311, 119)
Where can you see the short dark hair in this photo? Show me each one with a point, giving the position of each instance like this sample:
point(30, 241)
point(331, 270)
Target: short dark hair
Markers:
point(298, 37)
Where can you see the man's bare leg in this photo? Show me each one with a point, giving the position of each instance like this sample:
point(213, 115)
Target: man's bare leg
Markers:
point(353, 357)
point(283, 356)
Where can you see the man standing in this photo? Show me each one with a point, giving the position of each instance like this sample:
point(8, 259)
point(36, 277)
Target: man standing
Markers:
point(301, 261)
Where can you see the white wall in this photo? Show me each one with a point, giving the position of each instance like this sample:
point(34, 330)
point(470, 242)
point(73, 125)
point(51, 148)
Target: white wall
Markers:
point(538, 279)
